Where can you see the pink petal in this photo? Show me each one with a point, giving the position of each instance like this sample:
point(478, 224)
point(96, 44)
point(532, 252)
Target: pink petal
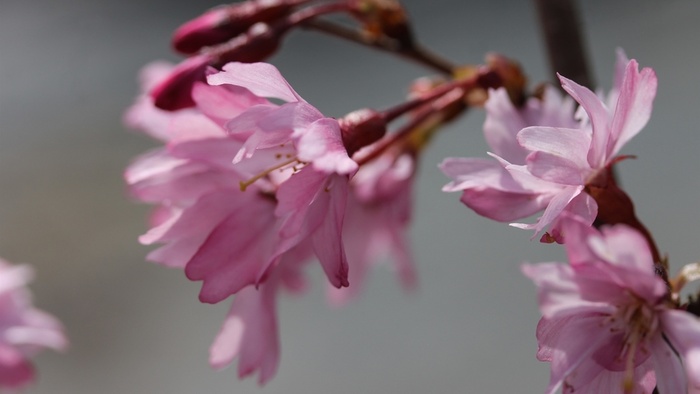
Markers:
point(327, 238)
point(224, 102)
point(249, 332)
point(502, 123)
point(558, 153)
point(15, 370)
point(469, 173)
point(501, 205)
point(669, 370)
point(262, 79)
point(683, 331)
point(237, 252)
point(322, 145)
point(633, 106)
point(599, 118)
point(558, 292)
point(568, 343)
point(556, 206)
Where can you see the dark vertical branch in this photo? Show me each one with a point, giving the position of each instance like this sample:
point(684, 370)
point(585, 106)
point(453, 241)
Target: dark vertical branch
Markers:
point(565, 45)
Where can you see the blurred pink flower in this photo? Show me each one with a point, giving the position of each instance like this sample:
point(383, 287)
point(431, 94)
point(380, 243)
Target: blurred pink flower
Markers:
point(24, 330)
point(608, 324)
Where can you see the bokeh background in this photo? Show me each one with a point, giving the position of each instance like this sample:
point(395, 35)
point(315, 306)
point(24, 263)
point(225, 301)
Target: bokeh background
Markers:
point(68, 70)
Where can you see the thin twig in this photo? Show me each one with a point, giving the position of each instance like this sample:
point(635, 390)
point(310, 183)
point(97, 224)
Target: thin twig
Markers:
point(417, 54)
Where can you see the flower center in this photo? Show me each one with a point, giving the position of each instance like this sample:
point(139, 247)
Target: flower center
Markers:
point(292, 163)
point(633, 324)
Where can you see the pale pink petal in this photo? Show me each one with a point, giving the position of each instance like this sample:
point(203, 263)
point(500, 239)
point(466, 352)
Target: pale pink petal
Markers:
point(250, 333)
point(224, 102)
point(598, 116)
point(475, 172)
point(237, 252)
point(633, 106)
point(503, 121)
point(503, 206)
point(322, 145)
point(555, 110)
point(327, 241)
point(669, 370)
point(683, 331)
point(621, 61)
point(177, 254)
point(569, 342)
point(198, 219)
point(582, 207)
point(591, 378)
point(558, 154)
point(558, 292)
point(261, 79)
point(556, 206)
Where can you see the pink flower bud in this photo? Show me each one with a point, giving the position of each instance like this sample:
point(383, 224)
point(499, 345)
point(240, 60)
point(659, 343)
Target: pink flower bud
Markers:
point(174, 92)
point(221, 24)
point(361, 128)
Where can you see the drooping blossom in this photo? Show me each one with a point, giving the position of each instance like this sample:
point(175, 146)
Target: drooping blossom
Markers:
point(608, 322)
point(249, 190)
point(24, 330)
point(556, 158)
point(216, 232)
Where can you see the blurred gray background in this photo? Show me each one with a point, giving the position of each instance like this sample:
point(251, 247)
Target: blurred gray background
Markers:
point(68, 70)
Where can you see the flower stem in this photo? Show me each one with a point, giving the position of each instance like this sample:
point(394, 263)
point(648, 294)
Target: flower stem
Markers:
point(417, 53)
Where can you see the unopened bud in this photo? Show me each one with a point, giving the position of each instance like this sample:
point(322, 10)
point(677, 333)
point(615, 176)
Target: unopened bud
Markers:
point(221, 24)
point(175, 92)
point(361, 128)
point(257, 44)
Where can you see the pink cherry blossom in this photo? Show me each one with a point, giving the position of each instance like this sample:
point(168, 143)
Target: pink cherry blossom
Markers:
point(217, 233)
point(561, 156)
point(24, 330)
point(303, 151)
point(608, 324)
point(249, 190)
point(503, 189)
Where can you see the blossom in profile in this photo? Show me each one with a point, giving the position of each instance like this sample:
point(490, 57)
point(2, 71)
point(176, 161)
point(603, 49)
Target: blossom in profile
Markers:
point(301, 152)
point(24, 330)
point(547, 158)
point(608, 324)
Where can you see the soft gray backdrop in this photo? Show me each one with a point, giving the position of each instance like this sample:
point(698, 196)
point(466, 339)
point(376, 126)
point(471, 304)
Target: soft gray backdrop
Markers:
point(67, 71)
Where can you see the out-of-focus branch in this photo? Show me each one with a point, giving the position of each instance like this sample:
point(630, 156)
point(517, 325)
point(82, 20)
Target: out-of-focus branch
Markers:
point(417, 54)
point(565, 44)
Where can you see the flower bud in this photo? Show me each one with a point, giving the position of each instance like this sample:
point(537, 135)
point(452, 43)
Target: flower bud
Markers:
point(259, 43)
point(221, 24)
point(174, 92)
point(361, 128)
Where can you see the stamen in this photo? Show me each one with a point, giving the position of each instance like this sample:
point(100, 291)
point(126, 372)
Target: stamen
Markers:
point(628, 382)
point(244, 184)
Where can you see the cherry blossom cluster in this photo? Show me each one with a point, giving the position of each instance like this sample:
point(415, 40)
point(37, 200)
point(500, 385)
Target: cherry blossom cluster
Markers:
point(253, 184)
